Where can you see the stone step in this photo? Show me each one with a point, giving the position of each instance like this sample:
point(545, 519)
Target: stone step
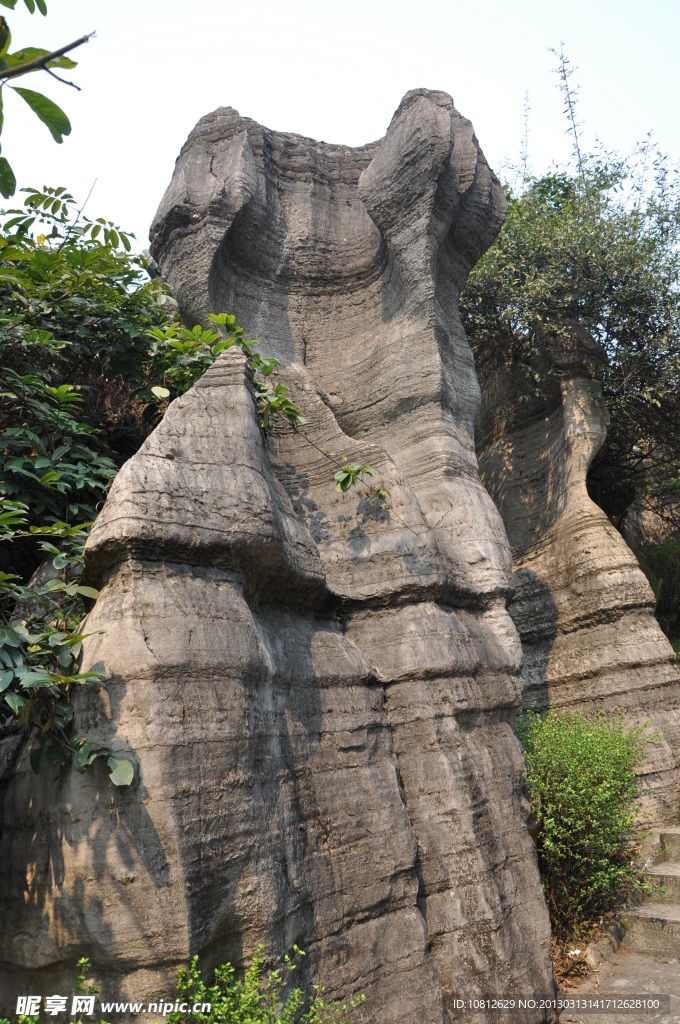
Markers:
point(667, 875)
point(654, 929)
point(669, 840)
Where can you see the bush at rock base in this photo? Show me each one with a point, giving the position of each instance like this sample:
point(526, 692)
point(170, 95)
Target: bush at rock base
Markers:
point(257, 999)
point(581, 780)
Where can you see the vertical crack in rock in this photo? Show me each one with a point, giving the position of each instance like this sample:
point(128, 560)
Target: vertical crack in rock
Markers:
point(583, 608)
point(319, 689)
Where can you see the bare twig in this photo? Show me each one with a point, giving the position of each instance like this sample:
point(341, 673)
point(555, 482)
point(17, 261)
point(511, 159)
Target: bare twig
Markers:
point(524, 155)
point(41, 62)
point(71, 226)
point(63, 81)
point(570, 95)
point(87, 197)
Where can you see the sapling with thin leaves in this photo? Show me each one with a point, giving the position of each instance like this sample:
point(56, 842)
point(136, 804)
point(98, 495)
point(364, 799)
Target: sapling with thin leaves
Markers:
point(179, 357)
point(258, 998)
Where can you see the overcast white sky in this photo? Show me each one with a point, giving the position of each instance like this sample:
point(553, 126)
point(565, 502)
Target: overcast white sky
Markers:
point(334, 70)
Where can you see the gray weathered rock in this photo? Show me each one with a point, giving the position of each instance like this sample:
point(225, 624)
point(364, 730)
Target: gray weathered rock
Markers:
point(319, 689)
point(583, 608)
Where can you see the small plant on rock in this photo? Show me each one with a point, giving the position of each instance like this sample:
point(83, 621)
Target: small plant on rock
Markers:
point(179, 357)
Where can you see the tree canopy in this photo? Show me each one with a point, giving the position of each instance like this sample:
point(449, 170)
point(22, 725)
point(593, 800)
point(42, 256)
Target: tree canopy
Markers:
point(597, 244)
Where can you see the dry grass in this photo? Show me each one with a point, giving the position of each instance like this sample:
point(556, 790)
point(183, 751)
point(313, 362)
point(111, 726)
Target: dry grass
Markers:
point(569, 962)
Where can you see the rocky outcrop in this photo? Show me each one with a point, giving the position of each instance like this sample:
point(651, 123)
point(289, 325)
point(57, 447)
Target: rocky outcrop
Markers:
point(583, 608)
point(319, 689)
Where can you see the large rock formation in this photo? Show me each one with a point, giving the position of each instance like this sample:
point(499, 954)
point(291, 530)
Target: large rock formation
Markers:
point(583, 608)
point(319, 689)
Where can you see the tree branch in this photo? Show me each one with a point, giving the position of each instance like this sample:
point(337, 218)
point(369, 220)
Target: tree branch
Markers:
point(63, 81)
point(40, 62)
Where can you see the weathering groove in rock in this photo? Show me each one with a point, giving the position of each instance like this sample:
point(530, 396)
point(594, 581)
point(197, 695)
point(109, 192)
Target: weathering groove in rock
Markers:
point(319, 689)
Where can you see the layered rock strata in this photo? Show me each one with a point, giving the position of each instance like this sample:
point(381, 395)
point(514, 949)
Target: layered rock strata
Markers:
point(583, 608)
point(319, 689)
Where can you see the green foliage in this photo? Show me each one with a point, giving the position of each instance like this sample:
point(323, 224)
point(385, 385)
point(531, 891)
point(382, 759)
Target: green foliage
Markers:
point(597, 244)
point(256, 999)
point(178, 357)
point(41, 648)
point(30, 4)
point(664, 562)
point(71, 297)
point(581, 780)
point(350, 474)
point(29, 60)
point(74, 311)
point(73, 293)
point(50, 462)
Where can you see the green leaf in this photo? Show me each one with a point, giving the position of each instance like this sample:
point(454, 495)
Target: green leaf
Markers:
point(8, 185)
point(160, 392)
point(34, 678)
point(88, 592)
point(42, 7)
point(123, 771)
point(50, 478)
point(41, 758)
point(15, 701)
point(48, 112)
point(28, 54)
point(5, 37)
point(10, 4)
point(9, 637)
point(84, 756)
point(6, 678)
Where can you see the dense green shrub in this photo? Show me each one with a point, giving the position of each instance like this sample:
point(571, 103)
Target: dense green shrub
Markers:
point(75, 307)
point(664, 561)
point(581, 780)
point(258, 999)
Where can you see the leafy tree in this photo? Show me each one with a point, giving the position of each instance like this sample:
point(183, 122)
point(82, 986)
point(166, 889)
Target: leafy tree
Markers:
point(28, 60)
point(71, 298)
point(595, 243)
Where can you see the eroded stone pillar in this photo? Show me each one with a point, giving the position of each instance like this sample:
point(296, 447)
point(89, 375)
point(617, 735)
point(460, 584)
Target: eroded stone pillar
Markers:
point(583, 608)
point(319, 689)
